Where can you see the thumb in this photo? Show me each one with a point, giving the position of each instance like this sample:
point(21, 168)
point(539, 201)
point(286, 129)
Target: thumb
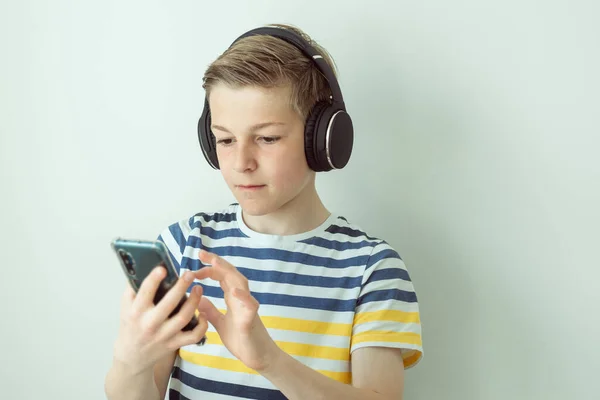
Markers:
point(213, 315)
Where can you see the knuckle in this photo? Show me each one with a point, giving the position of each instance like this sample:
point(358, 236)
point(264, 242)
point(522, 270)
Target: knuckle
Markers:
point(149, 329)
point(202, 325)
point(182, 319)
point(198, 335)
point(133, 314)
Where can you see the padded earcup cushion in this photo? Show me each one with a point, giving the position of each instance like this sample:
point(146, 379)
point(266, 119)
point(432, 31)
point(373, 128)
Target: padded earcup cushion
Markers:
point(310, 135)
point(206, 138)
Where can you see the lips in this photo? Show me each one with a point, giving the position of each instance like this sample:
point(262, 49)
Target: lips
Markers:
point(250, 187)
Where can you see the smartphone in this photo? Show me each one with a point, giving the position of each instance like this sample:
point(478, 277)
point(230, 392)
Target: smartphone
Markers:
point(138, 258)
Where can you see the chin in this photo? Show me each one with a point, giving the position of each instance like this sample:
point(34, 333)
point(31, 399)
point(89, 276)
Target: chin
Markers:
point(256, 208)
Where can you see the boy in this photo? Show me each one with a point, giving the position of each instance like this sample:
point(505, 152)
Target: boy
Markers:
point(339, 317)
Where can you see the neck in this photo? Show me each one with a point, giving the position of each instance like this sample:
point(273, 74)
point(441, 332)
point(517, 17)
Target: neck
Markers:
point(302, 214)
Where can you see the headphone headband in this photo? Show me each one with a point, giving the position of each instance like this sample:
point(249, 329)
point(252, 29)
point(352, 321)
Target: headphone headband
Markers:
point(308, 50)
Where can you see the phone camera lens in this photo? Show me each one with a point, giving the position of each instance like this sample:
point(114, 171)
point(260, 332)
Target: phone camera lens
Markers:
point(127, 261)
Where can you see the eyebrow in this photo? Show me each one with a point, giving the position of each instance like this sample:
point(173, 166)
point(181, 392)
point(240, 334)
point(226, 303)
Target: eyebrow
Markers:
point(253, 128)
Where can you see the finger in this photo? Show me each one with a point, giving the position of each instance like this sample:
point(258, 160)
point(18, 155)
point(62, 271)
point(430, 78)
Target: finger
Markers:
point(167, 304)
point(189, 337)
point(213, 315)
point(127, 300)
point(128, 295)
point(178, 321)
point(209, 271)
point(145, 295)
point(221, 270)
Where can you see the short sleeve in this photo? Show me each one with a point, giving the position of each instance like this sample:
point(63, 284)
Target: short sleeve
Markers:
point(387, 311)
point(175, 237)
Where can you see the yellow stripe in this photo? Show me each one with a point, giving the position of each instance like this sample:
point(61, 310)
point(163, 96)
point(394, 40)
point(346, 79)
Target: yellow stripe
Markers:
point(387, 315)
point(303, 325)
point(298, 349)
point(228, 364)
point(411, 358)
point(386, 336)
point(344, 377)
point(205, 360)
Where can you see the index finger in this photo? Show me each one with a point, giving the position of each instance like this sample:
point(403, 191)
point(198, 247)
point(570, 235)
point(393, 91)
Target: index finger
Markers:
point(221, 271)
point(127, 297)
point(147, 290)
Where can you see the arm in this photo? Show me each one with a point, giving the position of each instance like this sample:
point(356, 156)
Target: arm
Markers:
point(162, 373)
point(377, 374)
point(149, 384)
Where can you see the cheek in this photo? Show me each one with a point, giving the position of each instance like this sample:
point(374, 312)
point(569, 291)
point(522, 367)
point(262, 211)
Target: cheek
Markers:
point(289, 168)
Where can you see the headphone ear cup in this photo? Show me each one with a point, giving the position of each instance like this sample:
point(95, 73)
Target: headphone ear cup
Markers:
point(206, 138)
point(310, 136)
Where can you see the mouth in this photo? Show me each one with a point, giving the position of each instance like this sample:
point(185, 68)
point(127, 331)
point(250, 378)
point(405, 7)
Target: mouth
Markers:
point(250, 187)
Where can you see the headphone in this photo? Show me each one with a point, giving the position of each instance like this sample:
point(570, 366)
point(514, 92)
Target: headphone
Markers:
point(328, 132)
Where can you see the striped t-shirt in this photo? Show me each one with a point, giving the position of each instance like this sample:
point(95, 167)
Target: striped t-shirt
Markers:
point(322, 294)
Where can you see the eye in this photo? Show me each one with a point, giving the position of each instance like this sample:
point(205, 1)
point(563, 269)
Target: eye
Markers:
point(225, 142)
point(269, 139)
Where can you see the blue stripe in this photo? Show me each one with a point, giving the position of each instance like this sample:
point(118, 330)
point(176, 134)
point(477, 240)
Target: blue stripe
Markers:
point(175, 230)
point(230, 389)
point(390, 294)
point(349, 232)
point(175, 395)
point(287, 256)
point(301, 280)
point(389, 273)
point(221, 234)
point(383, 254)
point(218, 217)
point(196, 243)
point(337, 245)
point(287, 300)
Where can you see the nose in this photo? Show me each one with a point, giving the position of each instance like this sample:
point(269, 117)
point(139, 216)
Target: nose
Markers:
point(245, 159)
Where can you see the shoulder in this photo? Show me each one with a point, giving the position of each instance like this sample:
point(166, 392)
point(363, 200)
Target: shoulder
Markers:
point(178, 234)
point(352, 235)
point(182, 228)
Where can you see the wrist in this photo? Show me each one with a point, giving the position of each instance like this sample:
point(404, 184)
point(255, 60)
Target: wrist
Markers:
point(130, 370)
point(274, 361)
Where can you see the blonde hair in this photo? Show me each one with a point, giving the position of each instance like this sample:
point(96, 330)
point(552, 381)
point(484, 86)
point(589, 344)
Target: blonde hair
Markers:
point(267, 62)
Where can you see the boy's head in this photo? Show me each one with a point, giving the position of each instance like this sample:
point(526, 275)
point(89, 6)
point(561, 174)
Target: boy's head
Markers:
point(260, 93)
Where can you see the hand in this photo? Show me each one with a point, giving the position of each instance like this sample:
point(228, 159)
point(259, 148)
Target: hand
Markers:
point(240, 328)
point(146, 333)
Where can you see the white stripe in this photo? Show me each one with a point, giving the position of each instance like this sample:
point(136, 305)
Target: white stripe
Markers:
point(172, 245)
point(387, 326)
point(388, 305)
point(307, 314)
point(314, 339)
point(386, 284)
point(394, 345)
point(185, 227)
point(238, 378)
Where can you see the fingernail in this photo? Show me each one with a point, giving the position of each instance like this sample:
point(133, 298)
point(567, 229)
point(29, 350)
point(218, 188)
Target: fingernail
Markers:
point(188, 276)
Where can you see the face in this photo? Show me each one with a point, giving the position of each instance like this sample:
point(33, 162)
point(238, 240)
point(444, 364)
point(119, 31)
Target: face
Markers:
point(260, 146)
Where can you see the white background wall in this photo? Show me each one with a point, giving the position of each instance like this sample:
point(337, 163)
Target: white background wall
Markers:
point(477, 132)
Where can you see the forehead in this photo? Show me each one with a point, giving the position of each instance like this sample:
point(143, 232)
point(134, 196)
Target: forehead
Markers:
point(250, 104)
